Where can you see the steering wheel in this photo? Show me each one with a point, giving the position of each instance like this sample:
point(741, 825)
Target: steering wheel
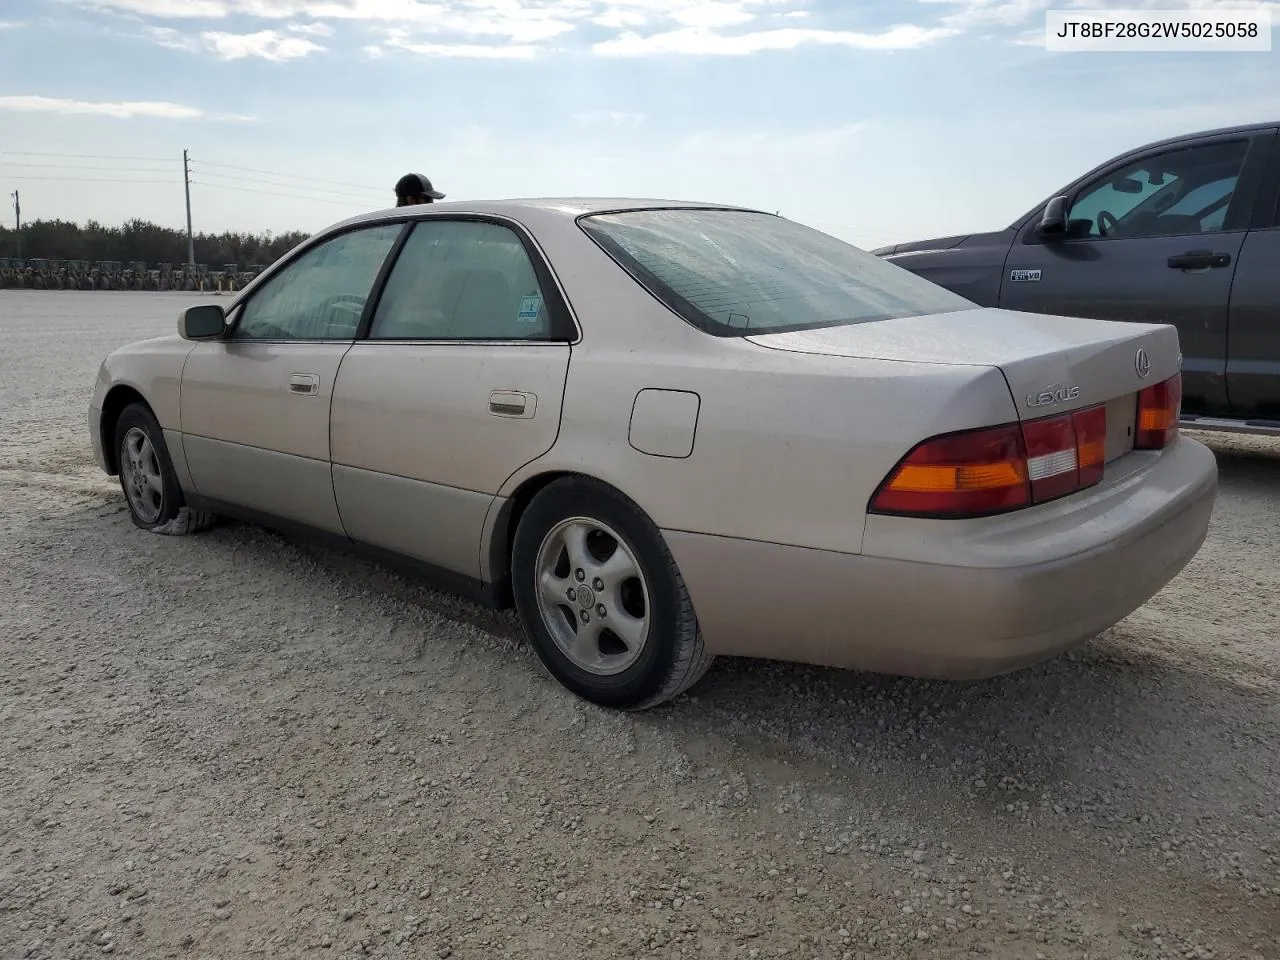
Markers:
point(1107, 222)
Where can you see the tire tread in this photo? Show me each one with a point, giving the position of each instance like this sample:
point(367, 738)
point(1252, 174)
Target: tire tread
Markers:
point(187, 522)
point(692, 657)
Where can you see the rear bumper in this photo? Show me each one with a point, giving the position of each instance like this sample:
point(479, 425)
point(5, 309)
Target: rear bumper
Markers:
point(994, 595)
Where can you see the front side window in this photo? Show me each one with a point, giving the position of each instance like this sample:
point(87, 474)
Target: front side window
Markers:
point(735, 273)
point(321, 295)
point(1186, 191)
point(1206, 204)
point(462, 280)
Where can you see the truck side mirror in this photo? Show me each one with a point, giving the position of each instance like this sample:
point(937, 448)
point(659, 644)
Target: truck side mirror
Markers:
point(1053, 221)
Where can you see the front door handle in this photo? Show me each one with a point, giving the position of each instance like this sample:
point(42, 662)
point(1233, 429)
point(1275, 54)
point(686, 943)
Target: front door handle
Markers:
point(304, 383)
point(512, 403)
point(1199, 260)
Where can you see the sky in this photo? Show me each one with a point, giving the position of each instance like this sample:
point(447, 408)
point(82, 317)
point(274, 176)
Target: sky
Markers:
point(878, 121)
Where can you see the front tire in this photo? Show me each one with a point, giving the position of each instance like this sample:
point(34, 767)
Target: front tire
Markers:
point(601, 599)
point(147, 477)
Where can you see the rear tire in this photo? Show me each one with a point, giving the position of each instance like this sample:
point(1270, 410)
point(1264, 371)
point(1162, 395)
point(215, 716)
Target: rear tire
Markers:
point(147, 477)
point(601, 599)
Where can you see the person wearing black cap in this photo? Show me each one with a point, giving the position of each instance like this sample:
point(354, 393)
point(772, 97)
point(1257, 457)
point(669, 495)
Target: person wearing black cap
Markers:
point(414, 188)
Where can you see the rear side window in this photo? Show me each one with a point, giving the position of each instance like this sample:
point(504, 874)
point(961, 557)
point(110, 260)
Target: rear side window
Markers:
point(735, 273)
point(463, 280)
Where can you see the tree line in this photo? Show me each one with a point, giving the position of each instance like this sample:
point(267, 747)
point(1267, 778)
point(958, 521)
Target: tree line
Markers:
point(141, 240)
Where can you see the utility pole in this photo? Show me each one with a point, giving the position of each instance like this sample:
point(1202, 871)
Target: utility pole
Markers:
point(191, 240)
point(17, 214)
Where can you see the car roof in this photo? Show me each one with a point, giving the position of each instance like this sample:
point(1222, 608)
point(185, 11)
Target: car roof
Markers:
point(567, 207)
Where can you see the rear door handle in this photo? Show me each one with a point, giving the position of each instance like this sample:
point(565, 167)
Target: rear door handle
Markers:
point(512, 403)
point(304, 383)
point(1199, 260)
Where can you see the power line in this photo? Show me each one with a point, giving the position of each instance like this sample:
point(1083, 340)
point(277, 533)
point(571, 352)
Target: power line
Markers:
point(91, 179)
point(265, 193)
point(273, 183)
point(290, 176)
point(291, 180)
point(8, 165)
point(80, 156)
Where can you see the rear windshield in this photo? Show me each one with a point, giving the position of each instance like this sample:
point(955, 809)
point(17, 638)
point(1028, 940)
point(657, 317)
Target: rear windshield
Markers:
point(734, 273)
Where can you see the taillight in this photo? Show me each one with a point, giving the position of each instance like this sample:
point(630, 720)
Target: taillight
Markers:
point(1159, 408)
point(997, 469)
point(960, 475)
point(1091, 443)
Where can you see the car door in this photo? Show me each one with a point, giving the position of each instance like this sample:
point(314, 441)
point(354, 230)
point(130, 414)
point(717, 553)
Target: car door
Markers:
point(255, 404)
point(1253, 352)
point(1152, 239)
point(457, 385)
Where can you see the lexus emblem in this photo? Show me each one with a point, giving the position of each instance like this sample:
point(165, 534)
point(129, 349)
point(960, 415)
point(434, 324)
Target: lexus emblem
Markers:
point(1142, 363)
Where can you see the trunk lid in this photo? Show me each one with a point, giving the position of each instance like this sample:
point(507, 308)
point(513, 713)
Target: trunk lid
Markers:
point(1052, 364)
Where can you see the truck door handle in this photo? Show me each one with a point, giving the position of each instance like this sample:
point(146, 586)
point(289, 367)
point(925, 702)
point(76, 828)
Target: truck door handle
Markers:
point(512, 403)
point(1199, 260)
point(304, 383)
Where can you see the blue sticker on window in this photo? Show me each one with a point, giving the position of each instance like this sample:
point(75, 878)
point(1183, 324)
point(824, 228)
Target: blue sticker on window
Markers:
point(529, 309)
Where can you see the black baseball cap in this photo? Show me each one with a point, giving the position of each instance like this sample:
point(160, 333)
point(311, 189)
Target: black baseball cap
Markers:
point(416, 185)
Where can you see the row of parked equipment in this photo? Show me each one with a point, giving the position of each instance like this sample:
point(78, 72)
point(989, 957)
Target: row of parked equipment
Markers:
point(18, 274)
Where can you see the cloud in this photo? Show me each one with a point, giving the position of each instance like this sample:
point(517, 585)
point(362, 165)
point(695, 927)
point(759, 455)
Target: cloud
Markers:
point(521, 20)
point(981, 13)
point(620, 18)
point(172, 9)
point(715, 13)
point(121, 109)
point(760, 143)
point(9, 25)
point(265, 44)
point(968, 14)
point(698, 41)
point(464, 51)
point(173, 39)
point(311, 29)
point(520, 29)
point(616, 119)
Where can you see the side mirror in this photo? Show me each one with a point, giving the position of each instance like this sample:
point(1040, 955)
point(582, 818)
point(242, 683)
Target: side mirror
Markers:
point(206, 321)
point(1053, 221)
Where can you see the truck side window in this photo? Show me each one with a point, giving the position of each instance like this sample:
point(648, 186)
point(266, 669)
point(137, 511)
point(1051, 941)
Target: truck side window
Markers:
point(1180, 192)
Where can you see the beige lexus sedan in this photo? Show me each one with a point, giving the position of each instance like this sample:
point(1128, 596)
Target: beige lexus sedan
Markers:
point(669, 431)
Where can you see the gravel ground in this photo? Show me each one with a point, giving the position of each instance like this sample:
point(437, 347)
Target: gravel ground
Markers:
point(233, 746)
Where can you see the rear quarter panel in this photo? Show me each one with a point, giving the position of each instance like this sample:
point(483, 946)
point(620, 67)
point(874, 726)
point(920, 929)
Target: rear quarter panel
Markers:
point(788, 447)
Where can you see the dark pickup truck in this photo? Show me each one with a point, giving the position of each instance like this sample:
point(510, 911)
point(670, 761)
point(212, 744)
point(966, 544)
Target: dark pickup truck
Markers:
point(1185, 231)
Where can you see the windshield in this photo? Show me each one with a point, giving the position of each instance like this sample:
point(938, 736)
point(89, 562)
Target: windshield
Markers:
point(733, 273)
